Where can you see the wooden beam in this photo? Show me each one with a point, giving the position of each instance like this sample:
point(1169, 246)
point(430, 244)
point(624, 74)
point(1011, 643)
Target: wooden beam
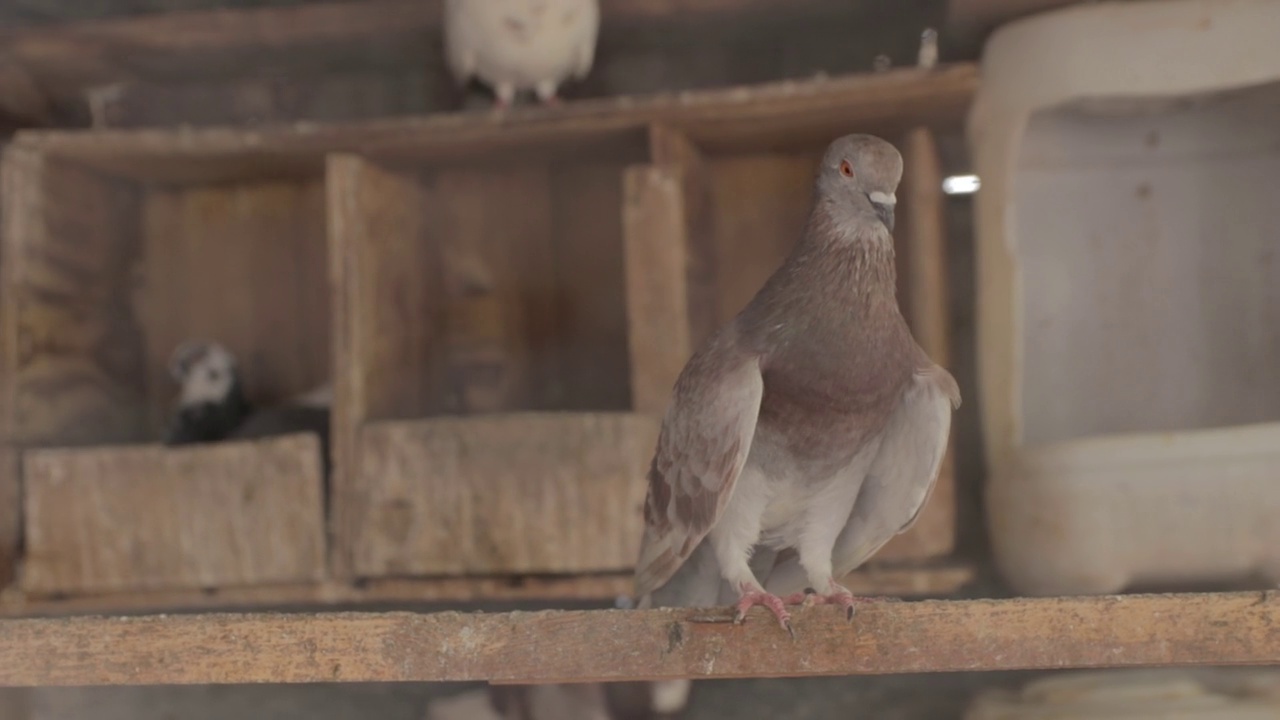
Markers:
point(613, 645)
point(71, 58)
point(763, 116)
point(932, 581)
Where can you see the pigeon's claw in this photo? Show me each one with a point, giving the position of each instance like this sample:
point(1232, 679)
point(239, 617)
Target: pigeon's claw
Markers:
point(838, 595)
point(751, 598)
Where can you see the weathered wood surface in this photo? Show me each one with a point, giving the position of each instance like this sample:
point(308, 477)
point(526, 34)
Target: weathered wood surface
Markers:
point(508, 493)
point(71, 367)
point(931, 581)
point(658, 326)
point(779, 114)
point(146, 517)
point(181, 44)
point(605, 645)
point(10, 513)
point(245, 265)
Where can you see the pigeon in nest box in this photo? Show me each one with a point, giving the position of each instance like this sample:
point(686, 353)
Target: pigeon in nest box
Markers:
point(514, 45)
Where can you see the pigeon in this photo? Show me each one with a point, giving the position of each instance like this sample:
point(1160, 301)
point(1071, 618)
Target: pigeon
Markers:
point(211, 403)
point(514, 45)
point(809, 430)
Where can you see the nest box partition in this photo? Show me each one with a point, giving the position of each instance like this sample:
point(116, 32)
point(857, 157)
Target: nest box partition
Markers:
point(718, 210)
point(117, 247)
point(483, 395)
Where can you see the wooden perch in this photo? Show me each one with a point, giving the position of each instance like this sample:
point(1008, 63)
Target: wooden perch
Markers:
point(607, 645)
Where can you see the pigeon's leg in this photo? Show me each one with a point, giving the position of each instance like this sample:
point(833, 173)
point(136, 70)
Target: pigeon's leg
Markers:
point(546, 91)
point(732, 539)
point(505, 94)
point(825, 522)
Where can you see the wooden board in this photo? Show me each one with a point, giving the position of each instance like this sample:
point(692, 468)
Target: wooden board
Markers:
point(10, 514)
point(658, 324)
point(510, 493)
point(770, 116)
point(610, 645)
point(244, 265)
point(145, 517)
point(72, 361)
point(931, 581)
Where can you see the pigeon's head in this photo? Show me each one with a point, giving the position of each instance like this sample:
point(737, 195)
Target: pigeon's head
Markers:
point(860, 173)
point(206, 371)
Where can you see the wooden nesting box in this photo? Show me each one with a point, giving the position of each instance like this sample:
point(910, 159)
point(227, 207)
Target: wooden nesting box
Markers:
point(515, 300)
point(1128, 305)
point(115, 249)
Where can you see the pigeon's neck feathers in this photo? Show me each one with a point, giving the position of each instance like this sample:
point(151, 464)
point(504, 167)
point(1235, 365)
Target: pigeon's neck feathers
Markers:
point(839, 278)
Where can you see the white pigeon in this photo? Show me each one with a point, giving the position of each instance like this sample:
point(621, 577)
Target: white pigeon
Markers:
point(514, 45)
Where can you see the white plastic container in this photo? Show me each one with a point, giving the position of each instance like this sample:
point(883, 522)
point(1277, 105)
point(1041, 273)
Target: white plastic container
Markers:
point(1128, 232)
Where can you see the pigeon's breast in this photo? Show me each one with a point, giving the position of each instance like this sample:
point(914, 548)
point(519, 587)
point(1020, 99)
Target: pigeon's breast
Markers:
point(820, 407)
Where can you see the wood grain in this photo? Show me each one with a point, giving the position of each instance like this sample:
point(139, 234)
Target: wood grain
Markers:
point(610, 645)
point(146, 517)
point(930, 581)
point(658, 326)
point(224, 42)
point(775, 116)
point(381, 274)
point(670, 147)
point(590, 341)
point(509, 493)
point(921, 241)
point(72, 369)
point(244, 265)
point(10, 513)
point(760, 203)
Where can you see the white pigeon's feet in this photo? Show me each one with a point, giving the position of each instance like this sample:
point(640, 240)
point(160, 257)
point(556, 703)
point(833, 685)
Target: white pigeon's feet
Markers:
point(750, 597)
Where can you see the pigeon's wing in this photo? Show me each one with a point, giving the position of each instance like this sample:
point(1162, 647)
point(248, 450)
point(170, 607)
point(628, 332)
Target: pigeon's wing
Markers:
point(905, 469)
point(705, 437)
point(459, 38)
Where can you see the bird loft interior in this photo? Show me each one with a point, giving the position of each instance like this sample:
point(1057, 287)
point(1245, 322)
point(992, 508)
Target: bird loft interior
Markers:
point(485, 296)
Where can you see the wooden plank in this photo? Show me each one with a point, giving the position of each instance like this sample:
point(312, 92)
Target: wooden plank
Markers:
point(492, 228)
point(670, 147)
point(186, 44)
point(613, 645)
point(72, 351)
point(933, 581)
point(243, 265)
point(10, 514)
point(760, 203)
point(111, 519)
point(375, 227)
point(658, 327)
point(593, 363)
point(509, 493)
point(22, 102)
point(781, 115)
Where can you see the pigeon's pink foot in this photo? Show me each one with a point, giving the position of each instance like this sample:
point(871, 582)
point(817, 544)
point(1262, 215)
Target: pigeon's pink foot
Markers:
point(838, 595)
point(553, 101)
point(751, 598)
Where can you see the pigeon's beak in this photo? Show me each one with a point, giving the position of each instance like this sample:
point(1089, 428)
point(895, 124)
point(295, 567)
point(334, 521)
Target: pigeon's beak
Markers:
point(883, 203)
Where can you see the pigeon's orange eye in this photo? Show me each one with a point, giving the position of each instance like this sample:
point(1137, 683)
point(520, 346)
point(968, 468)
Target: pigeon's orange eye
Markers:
point(846, 169)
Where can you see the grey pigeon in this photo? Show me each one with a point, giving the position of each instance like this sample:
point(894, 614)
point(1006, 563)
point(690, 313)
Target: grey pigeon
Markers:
point(809, 430)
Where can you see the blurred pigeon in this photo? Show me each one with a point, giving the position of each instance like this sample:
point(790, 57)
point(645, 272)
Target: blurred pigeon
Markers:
point(514, 45)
